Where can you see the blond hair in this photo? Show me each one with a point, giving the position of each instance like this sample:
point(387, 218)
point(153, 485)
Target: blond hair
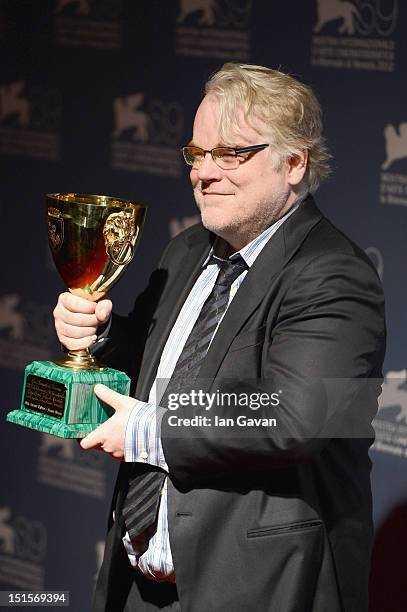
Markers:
point(287, 109)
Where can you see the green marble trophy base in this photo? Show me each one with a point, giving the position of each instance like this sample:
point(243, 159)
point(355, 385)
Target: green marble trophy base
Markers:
point(61, 401)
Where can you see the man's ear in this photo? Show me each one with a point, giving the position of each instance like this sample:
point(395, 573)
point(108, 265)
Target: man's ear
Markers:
point(297, 165)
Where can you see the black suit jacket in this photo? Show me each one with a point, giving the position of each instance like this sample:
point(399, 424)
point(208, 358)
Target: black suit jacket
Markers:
point(272, 519)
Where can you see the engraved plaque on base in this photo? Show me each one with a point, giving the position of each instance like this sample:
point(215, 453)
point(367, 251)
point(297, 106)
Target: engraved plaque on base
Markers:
point(92, 240)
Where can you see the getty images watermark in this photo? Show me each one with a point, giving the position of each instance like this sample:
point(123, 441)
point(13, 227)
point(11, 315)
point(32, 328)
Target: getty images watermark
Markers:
point(288, 406)
point(220, 399)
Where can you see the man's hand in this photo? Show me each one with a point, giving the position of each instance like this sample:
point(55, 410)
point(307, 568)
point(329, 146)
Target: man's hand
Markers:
point(77, 320)
point(110, 436)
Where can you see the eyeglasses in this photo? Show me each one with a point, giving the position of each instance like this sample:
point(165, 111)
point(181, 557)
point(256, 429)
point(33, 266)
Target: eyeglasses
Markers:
point(227, 158)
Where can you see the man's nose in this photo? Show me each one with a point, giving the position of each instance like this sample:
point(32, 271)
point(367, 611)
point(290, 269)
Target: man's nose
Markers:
point(208, 170)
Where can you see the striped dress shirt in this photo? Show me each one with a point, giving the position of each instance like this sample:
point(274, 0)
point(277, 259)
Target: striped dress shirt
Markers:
point(143, 440)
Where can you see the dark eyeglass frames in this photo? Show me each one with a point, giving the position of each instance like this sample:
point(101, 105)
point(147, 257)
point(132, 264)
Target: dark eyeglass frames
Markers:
point(227, 158)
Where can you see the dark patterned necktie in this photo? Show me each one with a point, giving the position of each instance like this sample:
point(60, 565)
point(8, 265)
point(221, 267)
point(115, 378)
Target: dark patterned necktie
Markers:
point(141, 503)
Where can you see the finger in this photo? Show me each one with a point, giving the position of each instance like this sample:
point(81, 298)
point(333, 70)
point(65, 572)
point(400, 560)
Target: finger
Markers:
point(78, 319)
point(103, 310)
point(74, 303)
point(110, 397)
point(71, 331)
point(92, 440)
point(74, 345)
point(74, 318)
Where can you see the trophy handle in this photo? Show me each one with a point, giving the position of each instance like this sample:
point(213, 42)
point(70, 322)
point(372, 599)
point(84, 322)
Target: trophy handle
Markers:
point(113, 246)
point(120, 233)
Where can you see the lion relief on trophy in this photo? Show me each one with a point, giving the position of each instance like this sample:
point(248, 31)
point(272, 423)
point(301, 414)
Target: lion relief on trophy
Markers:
point(120, 234)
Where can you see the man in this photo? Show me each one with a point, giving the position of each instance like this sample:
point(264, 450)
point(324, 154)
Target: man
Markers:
point(262, 506)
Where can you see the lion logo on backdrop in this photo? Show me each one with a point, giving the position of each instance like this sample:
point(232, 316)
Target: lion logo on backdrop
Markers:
point(10, 318)
point(58, 447)
point(333, 10)
point(214, 28)
point(390, 424)
point(394, 394)
point(63, 464)
point(358, 17)
point(393, 182)
point(396, 144)
point(88, 23)
point(23, 543)
point(205, 7)
point(13, 104)
point(20, 343)
point(7, 533)
point(129, 117)
point(146, 135)
point(29, 120)
point(81, 7)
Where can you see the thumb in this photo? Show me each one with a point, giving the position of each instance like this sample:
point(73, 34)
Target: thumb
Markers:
point(108, 396)
point(103, 310)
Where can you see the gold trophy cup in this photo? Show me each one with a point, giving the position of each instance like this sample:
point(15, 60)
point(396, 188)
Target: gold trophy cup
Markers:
point(92, 240)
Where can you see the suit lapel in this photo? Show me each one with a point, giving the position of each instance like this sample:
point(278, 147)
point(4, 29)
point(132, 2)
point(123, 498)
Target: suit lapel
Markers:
point(277, 252)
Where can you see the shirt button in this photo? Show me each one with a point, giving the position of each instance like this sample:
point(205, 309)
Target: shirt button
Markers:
point(144, 455)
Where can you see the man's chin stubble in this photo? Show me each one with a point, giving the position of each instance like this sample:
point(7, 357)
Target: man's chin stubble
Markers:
point(232, 233)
